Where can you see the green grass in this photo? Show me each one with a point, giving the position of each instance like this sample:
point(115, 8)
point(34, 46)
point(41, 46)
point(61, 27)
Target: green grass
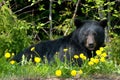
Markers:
point(45, 70)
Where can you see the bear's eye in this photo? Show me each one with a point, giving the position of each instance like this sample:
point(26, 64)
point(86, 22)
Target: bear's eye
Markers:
point(94, 33)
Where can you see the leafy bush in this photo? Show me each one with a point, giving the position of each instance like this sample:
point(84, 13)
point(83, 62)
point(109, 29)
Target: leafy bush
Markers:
point(13, 32)
point(113, 48)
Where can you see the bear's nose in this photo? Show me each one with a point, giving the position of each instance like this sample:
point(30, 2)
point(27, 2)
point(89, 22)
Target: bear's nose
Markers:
point(91, 45)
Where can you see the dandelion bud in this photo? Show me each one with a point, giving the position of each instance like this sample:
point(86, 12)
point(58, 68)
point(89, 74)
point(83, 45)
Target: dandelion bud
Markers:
point(32, 49)
point(76, 56)
point(65, 50)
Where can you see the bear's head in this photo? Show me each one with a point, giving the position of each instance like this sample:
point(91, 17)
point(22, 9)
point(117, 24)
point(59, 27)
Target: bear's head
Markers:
point(90, 34)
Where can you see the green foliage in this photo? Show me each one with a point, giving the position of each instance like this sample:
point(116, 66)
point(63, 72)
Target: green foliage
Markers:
point(13, 32)
point(65, 27)
point(96, 8)
point(32, 70)
point(60, 1)
point(33, 1)
point(116, 14)
point(89, 9)
point(113, 48)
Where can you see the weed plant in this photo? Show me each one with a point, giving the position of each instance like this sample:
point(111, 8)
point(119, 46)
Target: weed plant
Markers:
point(98, 64)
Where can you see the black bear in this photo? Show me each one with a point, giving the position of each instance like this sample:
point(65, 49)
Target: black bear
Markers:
point(88, 36)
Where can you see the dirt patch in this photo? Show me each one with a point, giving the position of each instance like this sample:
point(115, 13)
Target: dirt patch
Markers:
point(105, 77)
point(93, 77)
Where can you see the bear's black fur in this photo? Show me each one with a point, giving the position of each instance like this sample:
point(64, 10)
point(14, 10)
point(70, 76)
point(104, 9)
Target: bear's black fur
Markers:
point(88, 36)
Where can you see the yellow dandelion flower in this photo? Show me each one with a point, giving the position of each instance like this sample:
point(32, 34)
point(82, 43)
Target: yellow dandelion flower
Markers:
point(101, 48)
point(76, 56)
point(73, 72)
point(12, 62)
point(37, 59)
point(58, 73)
point(32, 49)
point(80, 72)
point(92, 59)
point(7, 55)
point(102, 59)
point(96, 60)
point(82, 56)
point(90, 63)
point(65, 50)
point(104, 55)
point(98, 52)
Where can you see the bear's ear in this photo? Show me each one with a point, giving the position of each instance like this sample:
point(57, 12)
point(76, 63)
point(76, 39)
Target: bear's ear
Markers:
point(103, 23)
point(77, 22)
